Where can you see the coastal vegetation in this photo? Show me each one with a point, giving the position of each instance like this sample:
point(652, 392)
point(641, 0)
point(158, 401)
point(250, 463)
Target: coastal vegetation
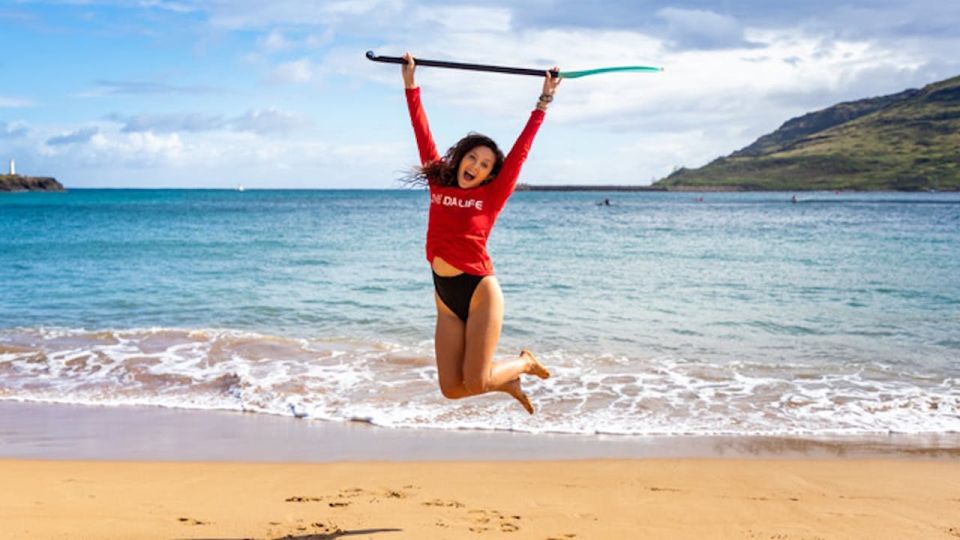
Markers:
point(908, 141)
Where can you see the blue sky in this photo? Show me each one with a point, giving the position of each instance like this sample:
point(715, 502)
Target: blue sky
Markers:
point(215, 93)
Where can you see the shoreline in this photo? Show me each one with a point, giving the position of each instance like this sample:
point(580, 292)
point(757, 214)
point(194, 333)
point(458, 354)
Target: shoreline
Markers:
point(132, 433)
point(77, 472)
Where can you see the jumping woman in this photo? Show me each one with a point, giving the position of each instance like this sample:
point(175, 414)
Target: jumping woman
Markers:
point(469, 186)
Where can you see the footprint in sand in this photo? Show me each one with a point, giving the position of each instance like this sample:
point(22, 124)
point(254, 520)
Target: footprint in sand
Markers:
point(785, 536)
point(327, 528)
point(509, 527)
point(487, 519)
point(350, 493)
point(438, 502)
point(303, 499)
point(316, 530)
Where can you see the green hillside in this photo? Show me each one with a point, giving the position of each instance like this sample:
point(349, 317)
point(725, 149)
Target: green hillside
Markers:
point(907, 141)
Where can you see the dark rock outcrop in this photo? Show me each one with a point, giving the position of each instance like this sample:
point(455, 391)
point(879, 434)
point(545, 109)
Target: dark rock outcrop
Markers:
point(29, 183)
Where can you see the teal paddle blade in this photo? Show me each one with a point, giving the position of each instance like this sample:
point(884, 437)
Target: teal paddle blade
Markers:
point(585, 72)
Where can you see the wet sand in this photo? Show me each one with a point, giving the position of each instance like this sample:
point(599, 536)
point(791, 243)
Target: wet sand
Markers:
point(55, 431)
point(89, 472)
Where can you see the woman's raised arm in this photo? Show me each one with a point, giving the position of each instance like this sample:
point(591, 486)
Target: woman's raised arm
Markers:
point(506, 180)
point(418, 117)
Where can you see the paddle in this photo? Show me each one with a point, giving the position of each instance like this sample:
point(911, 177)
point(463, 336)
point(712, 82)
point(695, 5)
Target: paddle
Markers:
point(511, 70)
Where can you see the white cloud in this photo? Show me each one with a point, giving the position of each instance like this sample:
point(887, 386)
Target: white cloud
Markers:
point(14, 102)
point(110, 157)
point(168, 123)
point(78, 136)
point(314, 41)
point(268, 121)
point(352, 7)
point(254, 14)
point(464, 19)
point(97, 149)
point(12, 131)
point(141, 149)
point(178, 7)
point(296, 71)
point(143, 88)
point(275, 41)
point(700, 29)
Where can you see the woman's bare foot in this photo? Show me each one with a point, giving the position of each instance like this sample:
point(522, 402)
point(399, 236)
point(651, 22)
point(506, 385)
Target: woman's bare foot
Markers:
point(534, 367)
point(513, 388)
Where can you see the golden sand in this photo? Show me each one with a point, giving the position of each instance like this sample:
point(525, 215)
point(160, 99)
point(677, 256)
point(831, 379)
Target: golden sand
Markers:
point(676, 498)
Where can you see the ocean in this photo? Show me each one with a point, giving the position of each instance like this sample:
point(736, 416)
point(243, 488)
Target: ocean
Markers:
point(661, 314)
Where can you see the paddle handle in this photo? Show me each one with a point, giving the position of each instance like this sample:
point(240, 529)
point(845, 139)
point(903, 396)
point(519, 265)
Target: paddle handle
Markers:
point(461, 65)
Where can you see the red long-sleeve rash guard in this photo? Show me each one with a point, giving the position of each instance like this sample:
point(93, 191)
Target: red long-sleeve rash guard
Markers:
point(461, 219)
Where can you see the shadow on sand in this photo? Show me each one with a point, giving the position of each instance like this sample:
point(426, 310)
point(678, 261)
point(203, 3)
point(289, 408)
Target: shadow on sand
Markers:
point(336, 534)
point(323, 536)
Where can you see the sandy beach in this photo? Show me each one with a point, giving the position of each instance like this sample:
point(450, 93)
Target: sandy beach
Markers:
point(130, 472)
point(756, 498)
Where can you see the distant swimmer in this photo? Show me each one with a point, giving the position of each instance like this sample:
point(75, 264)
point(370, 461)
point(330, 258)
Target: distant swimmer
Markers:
point(468, 188)
point(793, 199)
point(606, 202)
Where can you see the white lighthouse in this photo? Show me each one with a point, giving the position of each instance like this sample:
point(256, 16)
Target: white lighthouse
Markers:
point(13, 168)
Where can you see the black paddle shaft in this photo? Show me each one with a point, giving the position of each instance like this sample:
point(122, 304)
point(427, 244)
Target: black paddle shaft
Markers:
point(460, 65)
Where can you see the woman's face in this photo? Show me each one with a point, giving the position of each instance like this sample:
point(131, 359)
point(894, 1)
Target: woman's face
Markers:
point(475, 167)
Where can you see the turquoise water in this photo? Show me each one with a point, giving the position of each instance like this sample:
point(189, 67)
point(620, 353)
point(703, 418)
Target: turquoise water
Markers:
point(742, 313)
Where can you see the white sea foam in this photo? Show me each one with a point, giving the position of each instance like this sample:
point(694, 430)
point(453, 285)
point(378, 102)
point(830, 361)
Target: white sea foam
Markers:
point(394, 385)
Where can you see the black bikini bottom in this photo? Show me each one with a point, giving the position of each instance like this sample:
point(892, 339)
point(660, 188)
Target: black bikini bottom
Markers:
point(456, 292)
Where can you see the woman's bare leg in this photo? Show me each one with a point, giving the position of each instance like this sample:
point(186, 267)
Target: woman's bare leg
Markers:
point(480, 373)
point(449, 343)
point(484, 375)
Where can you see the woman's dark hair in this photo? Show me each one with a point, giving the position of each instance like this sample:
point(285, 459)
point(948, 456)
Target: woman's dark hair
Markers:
point(444, 171)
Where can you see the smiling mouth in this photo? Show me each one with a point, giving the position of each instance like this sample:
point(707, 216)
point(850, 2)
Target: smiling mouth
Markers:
point(467, 176)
